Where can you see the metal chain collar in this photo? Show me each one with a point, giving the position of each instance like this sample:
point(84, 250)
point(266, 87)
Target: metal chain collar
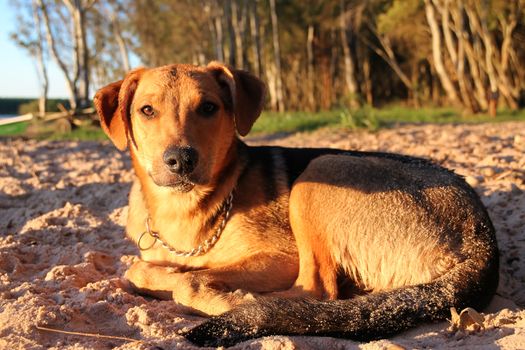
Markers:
point(203, 248)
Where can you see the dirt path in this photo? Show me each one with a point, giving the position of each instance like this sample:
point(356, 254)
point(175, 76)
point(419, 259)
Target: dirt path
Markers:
point(62, 246)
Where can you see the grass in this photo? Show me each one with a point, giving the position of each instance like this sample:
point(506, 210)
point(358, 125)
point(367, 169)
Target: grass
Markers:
point(397, 114)
point(84, 133)
point(373, 118)
point(271, 122)
point(15, 129)
point(49, 132)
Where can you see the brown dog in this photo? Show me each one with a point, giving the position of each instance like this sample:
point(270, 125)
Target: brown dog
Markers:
point(401, 239)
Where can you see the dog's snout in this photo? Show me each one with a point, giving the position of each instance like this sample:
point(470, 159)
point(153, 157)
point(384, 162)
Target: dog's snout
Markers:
point(181, 160)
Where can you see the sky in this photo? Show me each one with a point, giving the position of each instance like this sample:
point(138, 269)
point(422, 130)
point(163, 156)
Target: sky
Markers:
point(18, 73)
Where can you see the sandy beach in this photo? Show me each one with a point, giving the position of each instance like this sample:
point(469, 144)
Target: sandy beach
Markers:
point(63, 206)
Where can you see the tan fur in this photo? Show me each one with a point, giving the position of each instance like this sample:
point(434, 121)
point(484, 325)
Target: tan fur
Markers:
point(354, 211)
point(294, 242)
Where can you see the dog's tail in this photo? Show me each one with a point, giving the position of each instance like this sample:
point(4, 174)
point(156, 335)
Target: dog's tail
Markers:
point(470, 283)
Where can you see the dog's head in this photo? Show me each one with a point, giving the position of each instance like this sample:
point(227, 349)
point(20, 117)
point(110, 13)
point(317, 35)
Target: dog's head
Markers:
point(180, 121)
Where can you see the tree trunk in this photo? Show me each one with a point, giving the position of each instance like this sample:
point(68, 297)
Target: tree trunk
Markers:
point(219, 44)
point(387, 54)
point(272, 86)
point(351, 84)
point(437, 56)
point(70, 84)
point(493, 94)
point(507, 29)
point(475, 72)
point(79, 51)
point(414, 94)
point(311, 68)
point(363, 55)
point(436, 89)
point(84, 54)
point(277, 57)
point(77, 11)
point(334, 67)
point(474, 57)
point(42, 68)
point(446, 27)
point(325, 81)
point(123, 48)
point(256, 43)
point(465, 87)
point(238, 19)
point(231, 33)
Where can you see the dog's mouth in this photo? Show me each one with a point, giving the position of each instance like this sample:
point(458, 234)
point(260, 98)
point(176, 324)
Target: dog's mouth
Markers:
point(179, 184)
point(183, 186)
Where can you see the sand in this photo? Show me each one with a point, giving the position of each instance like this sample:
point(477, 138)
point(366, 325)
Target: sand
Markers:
point(63, 206)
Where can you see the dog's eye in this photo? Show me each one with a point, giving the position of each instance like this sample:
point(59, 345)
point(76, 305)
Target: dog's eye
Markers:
point(147, 111)
point(207, 109)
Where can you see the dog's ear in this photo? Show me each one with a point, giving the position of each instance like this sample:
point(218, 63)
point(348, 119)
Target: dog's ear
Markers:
point(112, 103)
point(244, 94)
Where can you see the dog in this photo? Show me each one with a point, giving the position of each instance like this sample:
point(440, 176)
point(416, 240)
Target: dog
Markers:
point(271, 240)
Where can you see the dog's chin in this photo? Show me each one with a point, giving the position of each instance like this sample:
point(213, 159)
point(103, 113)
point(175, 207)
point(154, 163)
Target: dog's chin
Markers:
point(182, 187)
point(175, 183)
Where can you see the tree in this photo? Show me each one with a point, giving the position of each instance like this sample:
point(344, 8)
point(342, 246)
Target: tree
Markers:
point(277, 74)
point(478, 37)
point(73, 62)
point(437, 55)
point(313, 55)
point(351, 83)
point(29, 14)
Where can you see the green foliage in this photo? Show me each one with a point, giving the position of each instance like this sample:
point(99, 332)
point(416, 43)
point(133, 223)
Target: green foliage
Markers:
point(11, 105)
point(51, 106)
point(28, 105)
point(360, 118)
point(399, 13)
point(170, 31)
point(405, 25)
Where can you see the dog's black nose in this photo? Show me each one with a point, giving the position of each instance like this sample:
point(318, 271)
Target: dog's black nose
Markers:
point(181, 160)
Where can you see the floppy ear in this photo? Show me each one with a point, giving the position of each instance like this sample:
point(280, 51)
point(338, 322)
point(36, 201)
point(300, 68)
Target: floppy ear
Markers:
point(245, 92)
point(112, 103)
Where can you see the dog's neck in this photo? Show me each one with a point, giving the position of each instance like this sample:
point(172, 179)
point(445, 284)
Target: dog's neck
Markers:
point(190, 217)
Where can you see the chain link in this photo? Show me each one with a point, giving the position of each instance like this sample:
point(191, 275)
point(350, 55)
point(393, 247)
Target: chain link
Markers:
point(203, 248)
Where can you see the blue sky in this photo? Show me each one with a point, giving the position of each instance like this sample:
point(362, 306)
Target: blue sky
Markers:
point(18, 74)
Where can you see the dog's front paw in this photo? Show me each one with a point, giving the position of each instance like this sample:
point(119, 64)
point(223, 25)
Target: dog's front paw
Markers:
point(152, 280)
point(138, 276)
point(218, 331)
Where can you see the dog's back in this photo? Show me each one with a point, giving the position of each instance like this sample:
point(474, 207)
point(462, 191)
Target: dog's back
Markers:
point(417, 241)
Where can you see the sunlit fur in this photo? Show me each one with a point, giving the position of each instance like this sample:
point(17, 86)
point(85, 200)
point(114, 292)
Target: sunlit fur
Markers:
point(177, 123)
point(319, 241)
